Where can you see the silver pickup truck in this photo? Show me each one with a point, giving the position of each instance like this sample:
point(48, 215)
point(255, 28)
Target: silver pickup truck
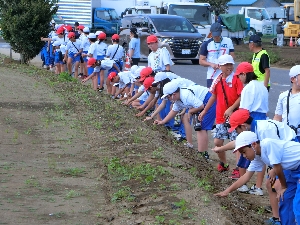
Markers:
point(175, 33)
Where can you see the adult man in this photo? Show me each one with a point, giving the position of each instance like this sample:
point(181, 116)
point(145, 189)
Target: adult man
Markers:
point(260, 60)
point(212, 49)
point(288, 105)
point(280, 32)
point(159, 58)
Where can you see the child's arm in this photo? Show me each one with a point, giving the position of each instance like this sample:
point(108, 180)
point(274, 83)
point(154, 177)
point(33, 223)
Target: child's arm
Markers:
point(235, 105)
point(170, 115)
point(89, 77)
point(149, 106)
point(116, 67)
point(46, 39)
point(159, 108)
point(147, 102)
point(229, 146)
point(136, 96)
point(241, 181)
point(120, 91)
point(278, 171)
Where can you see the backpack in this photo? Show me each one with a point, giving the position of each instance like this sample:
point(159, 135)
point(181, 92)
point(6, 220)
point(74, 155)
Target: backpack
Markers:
point(279, 29)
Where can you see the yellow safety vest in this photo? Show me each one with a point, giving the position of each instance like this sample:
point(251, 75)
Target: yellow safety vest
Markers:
point(255, 64)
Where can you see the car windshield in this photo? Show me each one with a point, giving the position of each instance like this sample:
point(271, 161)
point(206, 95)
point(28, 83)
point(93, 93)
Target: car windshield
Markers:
point(196, 14)
point(173, 25)
point(258, 14)
point(113, 14)
point(143, 11)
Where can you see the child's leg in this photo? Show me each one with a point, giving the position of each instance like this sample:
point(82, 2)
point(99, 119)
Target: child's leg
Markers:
point(76, 69)
point(95, 82)
point(109, 87)
point(69, 65)
point(260, 178)
point(101, 78)
point(188, 128)
point(273, 197)
point(202, 139)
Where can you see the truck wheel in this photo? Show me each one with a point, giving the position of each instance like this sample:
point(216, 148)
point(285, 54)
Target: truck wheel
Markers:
point(251, 32)
point(275, 41)
point(195, 61)
point(285, 42)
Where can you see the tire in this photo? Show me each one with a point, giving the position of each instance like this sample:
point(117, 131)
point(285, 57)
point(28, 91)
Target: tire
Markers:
point(274, 41)
point(195, 61)
point(251, 32)
point(285, 42)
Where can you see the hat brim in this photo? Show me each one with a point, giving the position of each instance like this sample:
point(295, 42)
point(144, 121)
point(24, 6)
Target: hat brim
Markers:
point(239, 147)
point(164, 96)
point(88, 65)
point(237, 73)
point(232, 128)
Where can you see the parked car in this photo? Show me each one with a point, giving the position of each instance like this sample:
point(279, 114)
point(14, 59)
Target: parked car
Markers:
point(175, 33)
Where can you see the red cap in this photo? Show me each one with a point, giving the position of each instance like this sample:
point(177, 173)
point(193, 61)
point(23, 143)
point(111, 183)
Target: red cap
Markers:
point(239, 117)
point(152, 39)
point(115, 37)
point(102, 36)
point(91, 62)
point(80, 27)
point(243, 67)
point(145, 73)
point(71, 35)
point(148, 82)
point(112, 75)
point(60, 30)
point(69, 28)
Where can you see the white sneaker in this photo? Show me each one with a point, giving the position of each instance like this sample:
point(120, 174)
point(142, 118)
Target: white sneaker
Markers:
point(45, 66)
point(256, 191)
point(243, 189)
point(175, 134)
point(189, 145)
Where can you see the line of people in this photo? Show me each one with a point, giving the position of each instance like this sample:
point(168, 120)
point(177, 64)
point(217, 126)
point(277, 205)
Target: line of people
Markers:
point(235, 104)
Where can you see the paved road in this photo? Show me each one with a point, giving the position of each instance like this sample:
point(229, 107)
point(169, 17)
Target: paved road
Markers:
point(279, 77)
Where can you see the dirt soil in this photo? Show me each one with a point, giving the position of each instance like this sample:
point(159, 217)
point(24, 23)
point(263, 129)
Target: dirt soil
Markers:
point(284, 57)
point(72, 156)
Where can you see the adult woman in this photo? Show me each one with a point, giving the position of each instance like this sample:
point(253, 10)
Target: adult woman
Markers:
point(134, 47)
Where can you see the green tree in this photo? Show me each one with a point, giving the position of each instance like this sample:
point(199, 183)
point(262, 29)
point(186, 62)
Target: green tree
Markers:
point(219, 6)
point(24, 22)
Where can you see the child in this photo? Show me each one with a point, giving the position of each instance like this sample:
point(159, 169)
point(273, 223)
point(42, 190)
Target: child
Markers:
point(58, 57)
point(73, 53)
point(97, 65)
point(281, 155)
point(226, 90)
point(101, 52)
point(123, 78)
point(85, 45)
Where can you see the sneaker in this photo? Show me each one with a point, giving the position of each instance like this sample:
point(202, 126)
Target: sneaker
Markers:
point(272, 221)
point(235, 174)
point(222, 167)
point(100, 89)
point(243, 189)
point(175, 134)
point(256, 191)
point(205, 155)
point(189, 145)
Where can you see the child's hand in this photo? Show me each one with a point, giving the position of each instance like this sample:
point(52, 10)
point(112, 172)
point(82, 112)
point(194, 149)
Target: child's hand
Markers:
point(139, 114)
point(140, 108)
point(148, 118)
point(280, 194)
point(217, 149)
point(158, 122)
point(222, 194)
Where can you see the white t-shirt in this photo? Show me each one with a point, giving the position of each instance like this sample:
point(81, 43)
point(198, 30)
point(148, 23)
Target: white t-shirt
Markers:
point(294, 108)
point(145, 95)
point(125, 78)
point(286, 153)
point(85, 43)
point(105, 64)
point(93, 50)
point(190, 97)
point(71, 46)
point(101, 48)
point(183, 82)
point(213, 51)
point(254, 97)
point(63, 42)
point(111, 49)
point(159, 59)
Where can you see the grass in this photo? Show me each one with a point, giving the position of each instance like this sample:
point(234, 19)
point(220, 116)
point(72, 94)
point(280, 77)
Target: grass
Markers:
point(74, 172)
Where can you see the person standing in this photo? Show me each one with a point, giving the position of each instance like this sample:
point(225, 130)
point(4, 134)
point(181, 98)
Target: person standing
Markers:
point(134, 47)
point(212, 49)
point(260, 60)
point(280, 32)
point(159, 59)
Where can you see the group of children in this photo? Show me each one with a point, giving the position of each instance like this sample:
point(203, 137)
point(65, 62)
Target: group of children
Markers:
point(235, 105)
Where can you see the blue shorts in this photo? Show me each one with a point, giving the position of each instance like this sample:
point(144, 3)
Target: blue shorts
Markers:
point(297, 139)
point(85, 59)
point(142, 102)
point(100, 57)
point(57, 59)
point(243, 162)
point(90, 70)
point(209, 118)
point(74, 59)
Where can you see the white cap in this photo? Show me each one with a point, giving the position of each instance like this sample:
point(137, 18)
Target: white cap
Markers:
point(243, 139)
point(86, 30)
point(280, 20)
point(92, 35)
point(133, 69)
point(52, 21)
point(294, 71)
point(56, 26)
point(56, 43)
point(137, 72)
point(224, 59)
point(169, 89)
point(98, 32)
point(159, 77)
